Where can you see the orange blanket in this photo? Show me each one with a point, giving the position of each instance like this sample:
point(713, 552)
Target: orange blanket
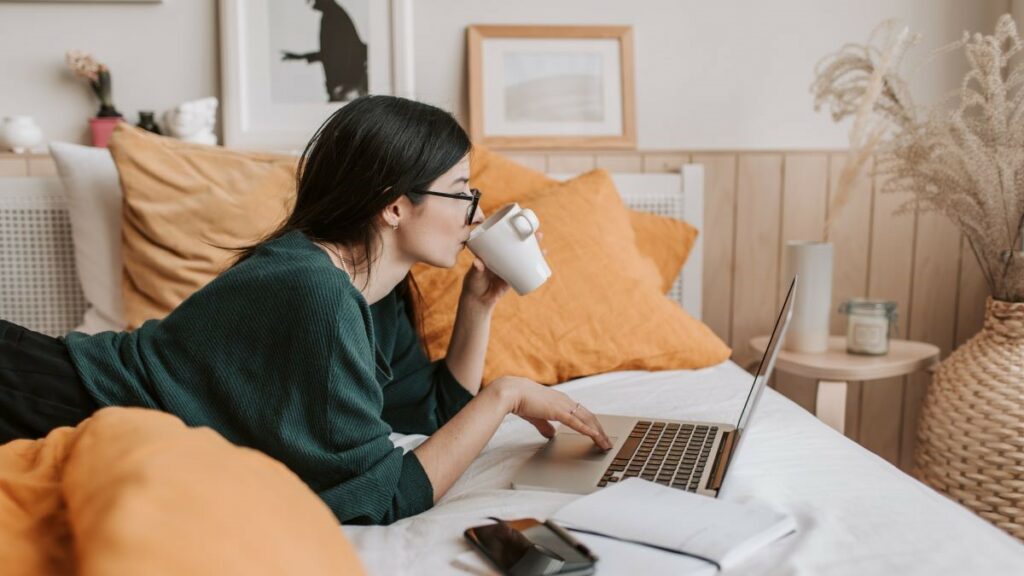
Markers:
point(132, 491)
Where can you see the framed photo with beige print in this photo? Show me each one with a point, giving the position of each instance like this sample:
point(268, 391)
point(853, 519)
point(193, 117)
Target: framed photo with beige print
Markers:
point(541, 87)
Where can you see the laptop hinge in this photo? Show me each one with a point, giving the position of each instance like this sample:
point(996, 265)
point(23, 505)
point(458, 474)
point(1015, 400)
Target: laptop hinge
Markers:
point(722, 461)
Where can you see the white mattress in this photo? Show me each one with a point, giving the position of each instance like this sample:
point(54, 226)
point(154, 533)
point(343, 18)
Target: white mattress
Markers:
point(856, 513)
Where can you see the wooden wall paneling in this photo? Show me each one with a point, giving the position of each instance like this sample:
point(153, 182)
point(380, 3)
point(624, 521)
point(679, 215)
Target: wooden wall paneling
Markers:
point(664, 162)
point(538, 162)
point(13, 165)
point(621, 163)
point(756, 269)
point(719, 234)
point(932, 311)
point(41, 165)
point(973, 290)
point(851, 239)
point(804, 198)
point(571, 163)
point(889, 277)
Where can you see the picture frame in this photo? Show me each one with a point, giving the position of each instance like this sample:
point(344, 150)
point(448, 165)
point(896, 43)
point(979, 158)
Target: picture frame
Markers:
point(540, 87)
point(276, 85)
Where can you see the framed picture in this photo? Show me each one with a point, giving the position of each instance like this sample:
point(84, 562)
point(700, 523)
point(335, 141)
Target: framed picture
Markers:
point(286, 66)
point(551, 86)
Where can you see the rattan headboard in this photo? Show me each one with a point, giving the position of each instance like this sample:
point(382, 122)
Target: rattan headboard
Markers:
point(39, 286)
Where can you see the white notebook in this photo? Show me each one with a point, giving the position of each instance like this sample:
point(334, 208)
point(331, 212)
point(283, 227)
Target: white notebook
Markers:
point(644, 512)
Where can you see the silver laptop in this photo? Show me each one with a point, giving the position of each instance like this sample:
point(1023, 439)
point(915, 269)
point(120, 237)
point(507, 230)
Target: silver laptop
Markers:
point(691, 456)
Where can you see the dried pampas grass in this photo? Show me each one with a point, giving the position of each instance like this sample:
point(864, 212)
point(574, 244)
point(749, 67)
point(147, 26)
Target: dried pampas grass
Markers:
point(967, 163)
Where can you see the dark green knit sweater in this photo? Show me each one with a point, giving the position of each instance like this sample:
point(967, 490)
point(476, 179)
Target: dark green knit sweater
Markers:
point(281, 353)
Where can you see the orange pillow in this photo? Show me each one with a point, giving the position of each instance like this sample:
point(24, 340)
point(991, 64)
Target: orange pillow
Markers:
point(665, 240)
point(133, 491)
point(601, 310)
point(183, 202)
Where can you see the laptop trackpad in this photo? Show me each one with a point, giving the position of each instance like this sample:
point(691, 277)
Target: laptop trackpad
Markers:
point(576, 447)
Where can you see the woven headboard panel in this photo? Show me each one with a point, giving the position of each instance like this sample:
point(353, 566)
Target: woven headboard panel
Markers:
point(39, 286)
point(676, 195)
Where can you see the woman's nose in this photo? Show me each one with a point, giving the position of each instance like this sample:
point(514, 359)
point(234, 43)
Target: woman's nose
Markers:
point(479, 216)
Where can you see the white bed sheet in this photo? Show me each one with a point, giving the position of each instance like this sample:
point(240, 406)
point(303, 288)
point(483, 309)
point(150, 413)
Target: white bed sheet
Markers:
point(856, 513)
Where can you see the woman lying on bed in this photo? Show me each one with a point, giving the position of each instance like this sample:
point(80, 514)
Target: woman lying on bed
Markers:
point(305, 348)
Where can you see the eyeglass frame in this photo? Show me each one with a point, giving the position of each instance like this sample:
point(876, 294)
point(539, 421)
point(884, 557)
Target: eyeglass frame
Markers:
point(474, 200)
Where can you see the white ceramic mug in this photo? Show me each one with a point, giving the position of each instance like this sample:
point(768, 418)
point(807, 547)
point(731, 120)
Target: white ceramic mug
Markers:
point(507, 244)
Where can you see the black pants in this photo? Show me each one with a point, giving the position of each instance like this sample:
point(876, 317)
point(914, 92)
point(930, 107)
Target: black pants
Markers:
point(39, 387)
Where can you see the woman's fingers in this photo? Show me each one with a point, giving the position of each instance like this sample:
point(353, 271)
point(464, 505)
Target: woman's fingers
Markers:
point(581, 426)
point(590, 419)
point(543, 426)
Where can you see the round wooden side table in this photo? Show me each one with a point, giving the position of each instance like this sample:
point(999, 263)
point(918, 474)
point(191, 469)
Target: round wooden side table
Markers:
point(834, 368)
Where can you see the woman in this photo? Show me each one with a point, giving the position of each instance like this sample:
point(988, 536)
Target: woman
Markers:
point(305, 348)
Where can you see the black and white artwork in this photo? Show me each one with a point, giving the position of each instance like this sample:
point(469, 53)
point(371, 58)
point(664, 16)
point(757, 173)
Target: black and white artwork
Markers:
point(318, 50)
point(286, 65)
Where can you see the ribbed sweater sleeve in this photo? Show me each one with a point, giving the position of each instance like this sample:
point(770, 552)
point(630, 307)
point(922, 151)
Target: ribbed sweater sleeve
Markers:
point(374, 482)
point(422, 395)
point(280, 354)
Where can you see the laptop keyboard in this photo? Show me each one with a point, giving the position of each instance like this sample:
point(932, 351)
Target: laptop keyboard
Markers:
point(672, 454)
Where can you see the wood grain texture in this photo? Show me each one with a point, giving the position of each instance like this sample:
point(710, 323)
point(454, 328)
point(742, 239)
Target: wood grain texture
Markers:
point(890, 263)
point(41, 165)
point(13, 165)
point(571, 163)
point(756, 269)
point(622, 163)
point(804, 198)
point(850, 236)
point(719, 236)
point(668, 162)
point(932, 311)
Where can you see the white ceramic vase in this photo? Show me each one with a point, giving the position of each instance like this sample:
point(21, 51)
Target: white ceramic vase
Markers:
point(20, 134)
point(812, 306)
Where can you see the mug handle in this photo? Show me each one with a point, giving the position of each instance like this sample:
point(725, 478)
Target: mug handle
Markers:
point(525, 223)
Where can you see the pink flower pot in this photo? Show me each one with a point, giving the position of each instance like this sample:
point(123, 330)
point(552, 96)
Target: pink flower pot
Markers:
point(101, 129)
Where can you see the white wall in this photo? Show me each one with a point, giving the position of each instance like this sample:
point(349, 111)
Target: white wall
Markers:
point(159, 55)
point(711, 74)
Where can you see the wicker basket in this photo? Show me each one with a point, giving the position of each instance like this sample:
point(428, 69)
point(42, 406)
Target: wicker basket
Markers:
point(971, 433)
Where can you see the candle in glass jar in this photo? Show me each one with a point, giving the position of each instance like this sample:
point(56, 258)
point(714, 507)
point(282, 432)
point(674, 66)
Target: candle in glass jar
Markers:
point(869, 325)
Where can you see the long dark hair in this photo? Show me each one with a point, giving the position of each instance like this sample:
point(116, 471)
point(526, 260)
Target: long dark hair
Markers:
point(366, 155)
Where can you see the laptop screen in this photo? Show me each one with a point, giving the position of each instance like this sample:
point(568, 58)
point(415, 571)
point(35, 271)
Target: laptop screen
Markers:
point(764, 369)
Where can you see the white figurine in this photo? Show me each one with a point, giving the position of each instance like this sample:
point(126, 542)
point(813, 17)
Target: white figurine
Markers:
point(193, 121)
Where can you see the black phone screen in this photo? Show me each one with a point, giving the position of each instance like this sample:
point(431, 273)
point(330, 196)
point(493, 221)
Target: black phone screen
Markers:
point(530, 548)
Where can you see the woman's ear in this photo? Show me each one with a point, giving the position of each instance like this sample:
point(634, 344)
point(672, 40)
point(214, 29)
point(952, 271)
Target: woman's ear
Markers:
point(393, 213)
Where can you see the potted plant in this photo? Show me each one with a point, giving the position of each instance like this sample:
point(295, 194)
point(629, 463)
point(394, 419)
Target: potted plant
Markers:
point(965, 160)
point(98, 76)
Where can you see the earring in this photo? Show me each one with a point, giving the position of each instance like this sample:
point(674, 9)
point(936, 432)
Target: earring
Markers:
point(394, 226)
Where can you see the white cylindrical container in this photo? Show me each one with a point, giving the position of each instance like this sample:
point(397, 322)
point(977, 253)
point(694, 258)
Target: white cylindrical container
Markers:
point(20, 134)
point(809, 328)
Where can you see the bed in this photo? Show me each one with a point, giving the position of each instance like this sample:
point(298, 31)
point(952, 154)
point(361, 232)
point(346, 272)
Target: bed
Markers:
point(856, 513)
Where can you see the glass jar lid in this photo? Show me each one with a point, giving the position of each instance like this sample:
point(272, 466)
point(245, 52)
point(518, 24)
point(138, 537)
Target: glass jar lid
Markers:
point(868, 306)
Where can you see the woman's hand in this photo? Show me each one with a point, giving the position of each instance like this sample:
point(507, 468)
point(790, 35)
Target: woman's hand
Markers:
point(481, 287)
point(539, 405)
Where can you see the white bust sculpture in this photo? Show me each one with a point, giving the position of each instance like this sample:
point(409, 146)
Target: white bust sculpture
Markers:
point(193, 121)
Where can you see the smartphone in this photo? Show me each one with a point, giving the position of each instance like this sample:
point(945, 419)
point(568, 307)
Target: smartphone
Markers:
point(529, 547)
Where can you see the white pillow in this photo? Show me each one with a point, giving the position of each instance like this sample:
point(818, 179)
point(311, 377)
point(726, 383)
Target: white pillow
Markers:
point(94, 208)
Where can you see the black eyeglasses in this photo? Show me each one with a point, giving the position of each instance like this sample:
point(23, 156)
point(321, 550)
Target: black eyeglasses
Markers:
point(473, 200)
